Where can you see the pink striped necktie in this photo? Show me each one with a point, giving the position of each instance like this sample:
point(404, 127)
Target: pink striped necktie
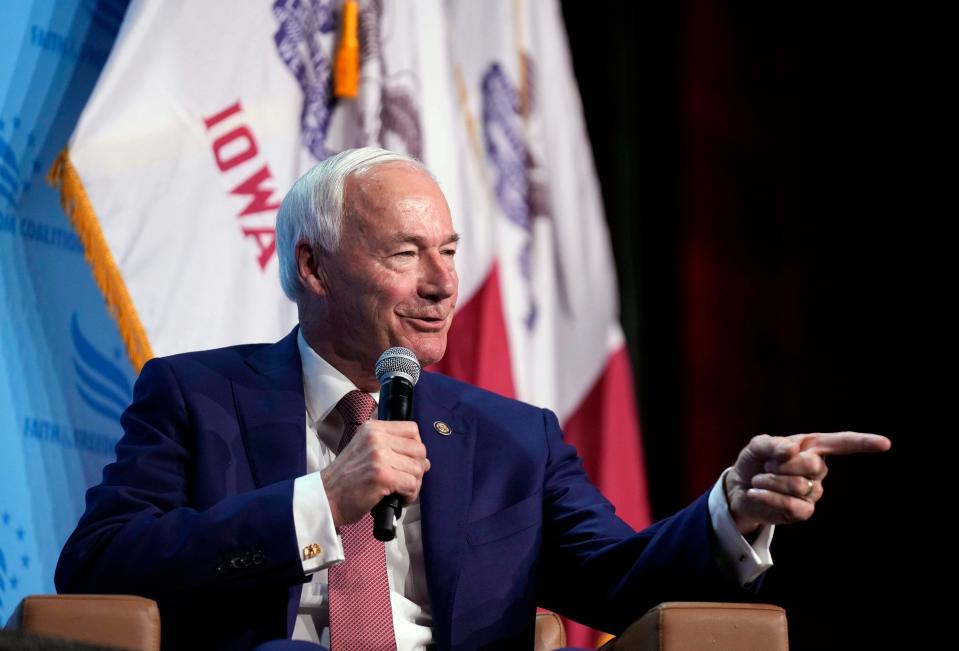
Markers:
point(361, 617)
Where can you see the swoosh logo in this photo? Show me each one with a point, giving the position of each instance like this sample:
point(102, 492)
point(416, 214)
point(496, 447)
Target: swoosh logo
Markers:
point(101, 383)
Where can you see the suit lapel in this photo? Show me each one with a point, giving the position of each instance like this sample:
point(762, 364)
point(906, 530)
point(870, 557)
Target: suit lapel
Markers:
point(444, 497)
point(272, 412)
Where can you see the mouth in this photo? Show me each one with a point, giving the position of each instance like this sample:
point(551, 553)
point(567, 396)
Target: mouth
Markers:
point(426, 323)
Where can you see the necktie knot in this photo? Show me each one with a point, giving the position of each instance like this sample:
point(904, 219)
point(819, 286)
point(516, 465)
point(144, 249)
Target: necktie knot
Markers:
point(355, 407)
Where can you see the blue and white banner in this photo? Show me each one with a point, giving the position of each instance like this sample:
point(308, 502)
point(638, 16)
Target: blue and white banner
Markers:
point(64, 375)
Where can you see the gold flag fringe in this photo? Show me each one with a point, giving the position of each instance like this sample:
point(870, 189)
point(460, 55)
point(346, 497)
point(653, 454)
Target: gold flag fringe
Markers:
point(73, 197)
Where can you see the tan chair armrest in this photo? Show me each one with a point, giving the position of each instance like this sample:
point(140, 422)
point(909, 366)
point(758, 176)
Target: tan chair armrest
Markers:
point(679, 626)
point(120, 621)
point(550, 632)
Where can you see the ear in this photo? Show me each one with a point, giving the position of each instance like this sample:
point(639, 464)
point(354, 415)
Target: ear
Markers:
point(308, 267)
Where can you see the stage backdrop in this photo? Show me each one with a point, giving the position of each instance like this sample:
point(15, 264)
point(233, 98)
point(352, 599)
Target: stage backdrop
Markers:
point(207, 112)
point(64, 375)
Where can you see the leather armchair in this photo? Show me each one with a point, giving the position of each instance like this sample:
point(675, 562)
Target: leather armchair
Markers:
point(120, 621)
point(134, 623)
point(680, 626)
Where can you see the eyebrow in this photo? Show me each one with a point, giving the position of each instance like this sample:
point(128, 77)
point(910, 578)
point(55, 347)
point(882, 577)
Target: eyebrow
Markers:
point(416, 239)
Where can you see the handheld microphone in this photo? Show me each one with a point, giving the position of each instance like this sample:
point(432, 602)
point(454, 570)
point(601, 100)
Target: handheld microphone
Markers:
point(397, 370)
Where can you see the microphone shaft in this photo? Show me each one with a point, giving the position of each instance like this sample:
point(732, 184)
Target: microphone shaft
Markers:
point(396, 399)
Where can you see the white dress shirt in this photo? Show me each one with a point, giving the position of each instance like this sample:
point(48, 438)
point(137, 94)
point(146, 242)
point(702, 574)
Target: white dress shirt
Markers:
point(324, 387)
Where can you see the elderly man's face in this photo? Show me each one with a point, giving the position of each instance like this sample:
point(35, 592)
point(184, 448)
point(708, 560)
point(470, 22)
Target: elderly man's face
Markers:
point(393, 282)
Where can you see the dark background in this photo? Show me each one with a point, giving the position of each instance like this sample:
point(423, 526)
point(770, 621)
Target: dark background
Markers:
point(768, 179)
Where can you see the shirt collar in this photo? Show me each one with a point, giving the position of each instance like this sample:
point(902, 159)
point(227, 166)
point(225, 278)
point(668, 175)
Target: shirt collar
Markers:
point(323, 385)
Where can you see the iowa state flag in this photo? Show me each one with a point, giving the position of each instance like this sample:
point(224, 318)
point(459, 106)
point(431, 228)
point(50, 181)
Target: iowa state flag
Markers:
point(208, 111)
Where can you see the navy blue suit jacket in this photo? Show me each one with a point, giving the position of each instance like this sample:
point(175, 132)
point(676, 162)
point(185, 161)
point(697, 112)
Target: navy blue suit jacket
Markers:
point(197, 513)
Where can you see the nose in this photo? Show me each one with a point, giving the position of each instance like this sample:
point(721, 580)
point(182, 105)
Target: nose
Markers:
point(438, 279)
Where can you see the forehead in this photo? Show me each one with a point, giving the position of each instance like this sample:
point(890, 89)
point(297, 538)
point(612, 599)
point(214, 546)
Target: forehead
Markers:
point(394, 195)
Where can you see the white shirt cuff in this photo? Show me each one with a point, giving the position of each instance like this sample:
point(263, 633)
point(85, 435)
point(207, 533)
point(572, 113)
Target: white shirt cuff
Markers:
point(319, 546)
point(747, 561)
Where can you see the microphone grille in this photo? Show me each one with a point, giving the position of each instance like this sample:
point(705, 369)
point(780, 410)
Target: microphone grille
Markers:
point(398, 361)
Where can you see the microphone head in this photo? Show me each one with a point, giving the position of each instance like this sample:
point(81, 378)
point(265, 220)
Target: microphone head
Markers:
point(397, 361)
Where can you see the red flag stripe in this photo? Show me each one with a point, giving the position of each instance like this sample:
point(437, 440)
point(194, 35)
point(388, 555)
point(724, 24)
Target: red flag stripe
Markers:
point(605, 430)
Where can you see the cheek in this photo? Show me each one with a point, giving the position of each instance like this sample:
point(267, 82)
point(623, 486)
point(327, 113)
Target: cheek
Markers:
point(398, 294)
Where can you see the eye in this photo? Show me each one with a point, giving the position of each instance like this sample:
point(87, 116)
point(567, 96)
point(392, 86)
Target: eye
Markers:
point(405, 254)
point(451, 251)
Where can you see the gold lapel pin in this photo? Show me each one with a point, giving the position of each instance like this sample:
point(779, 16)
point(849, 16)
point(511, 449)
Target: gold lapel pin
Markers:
point(442, 428)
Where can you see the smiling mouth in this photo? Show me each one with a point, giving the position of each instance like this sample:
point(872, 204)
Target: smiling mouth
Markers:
point(431, 323)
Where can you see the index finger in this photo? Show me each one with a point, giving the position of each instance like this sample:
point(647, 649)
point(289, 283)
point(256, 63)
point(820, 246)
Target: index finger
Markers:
point(845, 443)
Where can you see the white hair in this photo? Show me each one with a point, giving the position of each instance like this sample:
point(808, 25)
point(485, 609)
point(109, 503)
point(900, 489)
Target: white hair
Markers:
point(312, 211)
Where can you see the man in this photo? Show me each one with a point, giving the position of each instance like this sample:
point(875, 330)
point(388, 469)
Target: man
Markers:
point(240, 494)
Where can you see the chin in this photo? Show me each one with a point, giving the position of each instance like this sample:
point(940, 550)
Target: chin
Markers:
point(427, 352)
